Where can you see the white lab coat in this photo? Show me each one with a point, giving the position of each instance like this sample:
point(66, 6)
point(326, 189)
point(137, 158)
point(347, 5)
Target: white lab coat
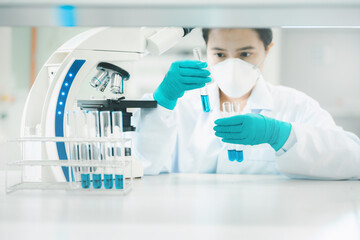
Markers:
point(183, 139)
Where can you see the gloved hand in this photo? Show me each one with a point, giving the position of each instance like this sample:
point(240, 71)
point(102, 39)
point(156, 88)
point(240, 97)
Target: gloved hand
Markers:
point(253, 129)
point(182, 76)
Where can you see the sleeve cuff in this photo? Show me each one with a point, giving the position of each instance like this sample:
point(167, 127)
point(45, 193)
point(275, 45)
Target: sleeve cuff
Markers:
point(288, 144)
point(164, 101)
point(166, 112)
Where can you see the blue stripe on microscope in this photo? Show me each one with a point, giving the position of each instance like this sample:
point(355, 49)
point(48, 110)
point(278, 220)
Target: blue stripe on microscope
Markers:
point(60, 108)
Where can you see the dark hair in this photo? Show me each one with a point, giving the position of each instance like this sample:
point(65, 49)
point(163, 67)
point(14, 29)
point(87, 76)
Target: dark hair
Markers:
point(265, 35)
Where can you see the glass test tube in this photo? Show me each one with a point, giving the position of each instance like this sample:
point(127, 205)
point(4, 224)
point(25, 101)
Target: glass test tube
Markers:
point(238, 147)
point(106, 148)
point(119, 151)
point(227, 109)
point(84, 149)
point(203, 91)
point(94, 132)
point(71, 128)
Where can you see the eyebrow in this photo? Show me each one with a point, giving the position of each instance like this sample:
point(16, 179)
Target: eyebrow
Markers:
point(239, 49)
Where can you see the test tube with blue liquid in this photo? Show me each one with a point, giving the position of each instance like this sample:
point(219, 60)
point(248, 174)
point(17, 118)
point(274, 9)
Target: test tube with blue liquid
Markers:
point(106, 148)
point(84, 149)
point(73, 151)
point(119, 151)
point(94, 132)
point(85, 172)
point(231, 148)
point(203, 91)
point(238, 147)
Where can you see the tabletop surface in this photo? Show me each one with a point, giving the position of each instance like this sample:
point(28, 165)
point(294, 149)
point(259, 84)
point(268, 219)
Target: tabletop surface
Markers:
point(189, 206)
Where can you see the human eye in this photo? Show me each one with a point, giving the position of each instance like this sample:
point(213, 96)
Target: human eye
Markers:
point(220, 55)
point(245, 54)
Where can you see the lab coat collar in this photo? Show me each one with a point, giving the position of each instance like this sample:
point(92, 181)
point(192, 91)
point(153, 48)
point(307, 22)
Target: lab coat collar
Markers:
point(260, 97)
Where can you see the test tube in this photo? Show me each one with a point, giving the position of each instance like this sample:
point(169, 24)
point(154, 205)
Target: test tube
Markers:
point(119, 180)
point(203, 91)
point(84, 149)
point(117, 124)
point(119, 177)
point(227, 109)
point(94, 132)
point(85, 172)
point(238, 147)
point(107, 151)
point(117, 129)
point(73, 149)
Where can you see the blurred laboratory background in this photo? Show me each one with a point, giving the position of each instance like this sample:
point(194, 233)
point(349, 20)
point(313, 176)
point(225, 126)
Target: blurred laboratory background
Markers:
point(323, 63)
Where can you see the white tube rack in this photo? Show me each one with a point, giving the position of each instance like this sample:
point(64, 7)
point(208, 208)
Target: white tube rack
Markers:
point(16, 169)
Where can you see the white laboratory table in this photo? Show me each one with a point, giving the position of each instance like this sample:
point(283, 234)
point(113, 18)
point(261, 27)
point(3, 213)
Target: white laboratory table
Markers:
point(189, 206)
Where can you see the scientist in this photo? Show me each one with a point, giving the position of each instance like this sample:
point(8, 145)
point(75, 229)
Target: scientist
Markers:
point(283, 131)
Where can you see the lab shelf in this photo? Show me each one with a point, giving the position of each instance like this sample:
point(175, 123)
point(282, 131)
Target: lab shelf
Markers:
point(202, 13)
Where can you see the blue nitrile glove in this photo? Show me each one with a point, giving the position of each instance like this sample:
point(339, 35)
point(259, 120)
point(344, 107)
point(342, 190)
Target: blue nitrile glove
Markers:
point(182, 76)
point(253, 129)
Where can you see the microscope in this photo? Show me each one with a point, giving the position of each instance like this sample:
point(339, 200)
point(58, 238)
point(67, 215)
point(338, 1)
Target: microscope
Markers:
point(96, 62)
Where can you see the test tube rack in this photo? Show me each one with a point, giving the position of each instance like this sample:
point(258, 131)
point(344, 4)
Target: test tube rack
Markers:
point(111, 175)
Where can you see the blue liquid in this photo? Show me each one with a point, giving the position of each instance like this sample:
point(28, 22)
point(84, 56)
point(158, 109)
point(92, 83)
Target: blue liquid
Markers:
point(85, 180)
point(108, 181)
point(239, 156)
point(232, 155)
point(205, 103)
point(97, 182)
point(119, 181)
point(72, 175)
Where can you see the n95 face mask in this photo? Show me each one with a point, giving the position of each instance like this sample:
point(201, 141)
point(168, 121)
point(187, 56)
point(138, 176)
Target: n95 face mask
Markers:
point(235, 77)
